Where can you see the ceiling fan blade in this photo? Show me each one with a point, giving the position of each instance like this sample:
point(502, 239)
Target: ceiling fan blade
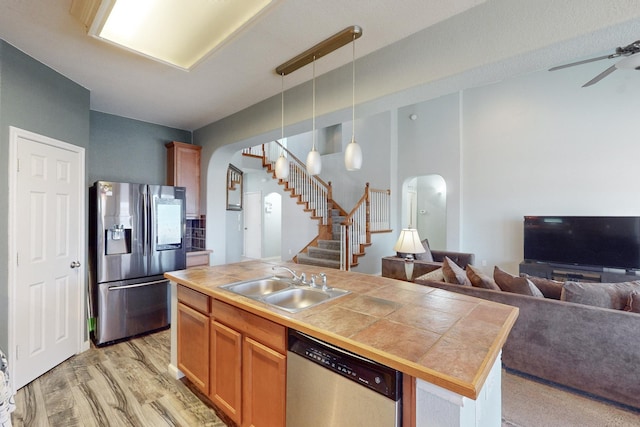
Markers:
point(600, 76)
point(559, 67)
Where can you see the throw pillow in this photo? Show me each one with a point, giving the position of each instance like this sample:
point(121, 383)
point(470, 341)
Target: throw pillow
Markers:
point(633, 305)
point(434, 276)
point(426, 255)
point(453, 273)
point(423, 256)
point(549, 288)
point(515, 284)
point(480, 280)
point(607, 295)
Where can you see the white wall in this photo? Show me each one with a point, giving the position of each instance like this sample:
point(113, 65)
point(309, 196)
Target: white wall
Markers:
point(542, 145)
point(451, 138)
point(431, 145)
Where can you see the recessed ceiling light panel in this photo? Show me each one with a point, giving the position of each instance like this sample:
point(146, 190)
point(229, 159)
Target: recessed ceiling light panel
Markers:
point(177, 32)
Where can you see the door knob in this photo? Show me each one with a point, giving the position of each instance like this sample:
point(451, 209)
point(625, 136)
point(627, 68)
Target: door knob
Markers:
point(75, 264)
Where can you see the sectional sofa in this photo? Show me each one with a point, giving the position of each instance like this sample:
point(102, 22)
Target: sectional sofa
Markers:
point(592, 349)
point(393, 266)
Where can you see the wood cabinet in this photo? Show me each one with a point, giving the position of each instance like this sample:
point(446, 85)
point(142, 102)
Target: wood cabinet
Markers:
point(183, 170)
point(193, 336)
point(248, 366)
point(198, 258)
point(236, 358)
point(264, 385)
point(226, 370)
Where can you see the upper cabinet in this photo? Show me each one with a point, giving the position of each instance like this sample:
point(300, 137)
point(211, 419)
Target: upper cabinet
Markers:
point(183, 170)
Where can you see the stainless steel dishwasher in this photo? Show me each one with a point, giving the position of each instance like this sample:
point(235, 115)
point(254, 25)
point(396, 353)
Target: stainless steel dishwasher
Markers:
point(329, 386)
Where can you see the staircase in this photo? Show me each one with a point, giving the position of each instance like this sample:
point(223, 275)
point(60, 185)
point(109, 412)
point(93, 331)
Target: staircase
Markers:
point(342, 237)
point(326, 253)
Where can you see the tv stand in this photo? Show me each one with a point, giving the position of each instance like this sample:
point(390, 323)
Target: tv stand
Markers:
point(577, 273)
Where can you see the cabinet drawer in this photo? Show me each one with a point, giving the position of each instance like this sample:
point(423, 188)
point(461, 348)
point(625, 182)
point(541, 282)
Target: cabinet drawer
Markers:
point(194, 260)
point(193, 299)
point(262, 330)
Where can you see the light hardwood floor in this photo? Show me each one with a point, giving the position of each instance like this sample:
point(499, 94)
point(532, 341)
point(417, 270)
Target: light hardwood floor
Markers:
point(125, 384)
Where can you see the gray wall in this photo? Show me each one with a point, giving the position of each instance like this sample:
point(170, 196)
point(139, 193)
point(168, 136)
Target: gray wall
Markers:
point(128, 150)
point(540, 144)
point(37, 99)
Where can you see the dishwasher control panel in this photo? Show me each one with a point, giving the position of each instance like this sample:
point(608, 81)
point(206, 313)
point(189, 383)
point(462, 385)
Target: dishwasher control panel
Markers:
point(377, 377)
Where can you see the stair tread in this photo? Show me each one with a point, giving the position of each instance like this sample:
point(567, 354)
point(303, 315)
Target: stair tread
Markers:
point(322, 253)
point(307, 260)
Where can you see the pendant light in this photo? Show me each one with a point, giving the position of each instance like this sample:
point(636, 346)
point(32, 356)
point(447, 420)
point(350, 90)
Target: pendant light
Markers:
point(282, 164)
point(353, 152)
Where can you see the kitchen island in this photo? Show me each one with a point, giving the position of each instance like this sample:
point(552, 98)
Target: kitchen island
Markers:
point(447, 345)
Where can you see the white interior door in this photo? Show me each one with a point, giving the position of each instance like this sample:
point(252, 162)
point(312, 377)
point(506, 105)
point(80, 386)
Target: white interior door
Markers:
point(47, 234)
point(253, 225)
point(411, 217)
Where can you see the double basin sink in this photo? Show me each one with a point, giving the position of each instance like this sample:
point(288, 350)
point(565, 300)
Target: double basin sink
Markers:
point(285, 294)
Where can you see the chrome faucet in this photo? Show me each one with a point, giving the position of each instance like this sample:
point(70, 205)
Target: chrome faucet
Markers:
point(325, 287)
point(296, 278)
point(312, 283)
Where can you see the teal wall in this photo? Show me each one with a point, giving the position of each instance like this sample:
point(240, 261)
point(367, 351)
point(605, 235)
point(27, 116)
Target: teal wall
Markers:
point(35, 98)
point(128, 150)
point(38, 99)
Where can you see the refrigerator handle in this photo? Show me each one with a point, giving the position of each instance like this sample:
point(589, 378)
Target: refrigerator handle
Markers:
point(138, 285)
point(145, 223)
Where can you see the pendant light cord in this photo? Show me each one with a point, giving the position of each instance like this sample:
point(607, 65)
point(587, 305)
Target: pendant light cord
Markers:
point(282, 112)
point(353, 92)
point(313, 126)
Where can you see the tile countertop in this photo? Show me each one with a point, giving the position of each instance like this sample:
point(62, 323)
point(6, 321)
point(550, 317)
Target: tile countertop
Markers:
point(447, 339)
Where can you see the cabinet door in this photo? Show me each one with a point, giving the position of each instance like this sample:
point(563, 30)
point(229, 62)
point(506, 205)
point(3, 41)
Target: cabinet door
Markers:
point(193, 346)
point(226, 370)
point(264, 383)
point(188, 172)
point(183, 170)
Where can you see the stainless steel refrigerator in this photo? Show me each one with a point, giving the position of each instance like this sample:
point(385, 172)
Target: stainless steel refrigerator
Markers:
point(136, 234)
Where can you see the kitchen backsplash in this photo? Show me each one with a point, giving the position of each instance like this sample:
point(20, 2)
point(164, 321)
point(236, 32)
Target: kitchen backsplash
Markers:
point(196, 234)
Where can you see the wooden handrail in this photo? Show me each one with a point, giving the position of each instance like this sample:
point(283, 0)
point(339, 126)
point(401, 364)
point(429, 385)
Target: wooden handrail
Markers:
point(317, 195)
point(300, 163)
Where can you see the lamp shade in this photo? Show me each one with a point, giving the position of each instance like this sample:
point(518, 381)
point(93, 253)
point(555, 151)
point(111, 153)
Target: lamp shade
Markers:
point(409, 242)
point(282, 167)
point(314, 163)
point(353, 156)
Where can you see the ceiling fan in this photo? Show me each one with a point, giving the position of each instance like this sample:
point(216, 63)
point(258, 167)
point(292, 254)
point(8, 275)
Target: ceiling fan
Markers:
point(631, 61)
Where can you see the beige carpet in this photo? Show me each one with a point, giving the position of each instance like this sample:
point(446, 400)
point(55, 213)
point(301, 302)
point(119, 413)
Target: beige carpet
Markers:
point(528, 403)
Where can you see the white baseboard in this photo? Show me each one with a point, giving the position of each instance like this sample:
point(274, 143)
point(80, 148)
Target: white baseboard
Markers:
point(174, 372)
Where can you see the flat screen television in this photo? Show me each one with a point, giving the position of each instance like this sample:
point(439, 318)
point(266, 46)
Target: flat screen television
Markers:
point(590, 241)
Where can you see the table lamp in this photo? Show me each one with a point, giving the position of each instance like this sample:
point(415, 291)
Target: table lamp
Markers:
point(410, 244)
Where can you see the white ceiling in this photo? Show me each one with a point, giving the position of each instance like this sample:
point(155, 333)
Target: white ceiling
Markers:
point(233, 78)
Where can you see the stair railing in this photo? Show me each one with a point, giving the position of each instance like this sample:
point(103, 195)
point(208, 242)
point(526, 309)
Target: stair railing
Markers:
point(371, 214)
point(379, 220)
point(309, 188)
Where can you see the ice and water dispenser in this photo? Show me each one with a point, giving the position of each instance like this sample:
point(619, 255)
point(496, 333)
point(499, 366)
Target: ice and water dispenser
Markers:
point(117, 238)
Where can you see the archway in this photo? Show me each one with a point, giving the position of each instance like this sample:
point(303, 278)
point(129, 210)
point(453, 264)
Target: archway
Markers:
point(424, 207)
